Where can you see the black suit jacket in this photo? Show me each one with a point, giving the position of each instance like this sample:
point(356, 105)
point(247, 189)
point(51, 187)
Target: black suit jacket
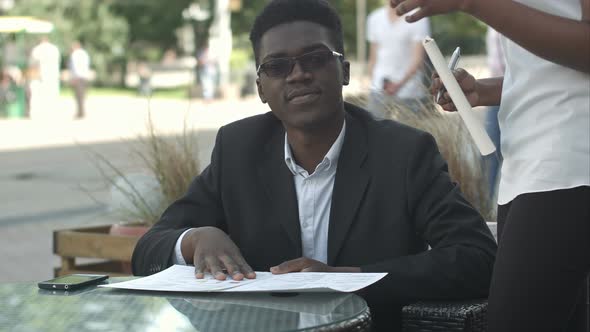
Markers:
point(392, 198)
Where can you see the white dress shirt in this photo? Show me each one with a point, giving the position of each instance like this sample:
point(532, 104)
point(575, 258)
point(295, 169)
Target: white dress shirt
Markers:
point(314, 199)
point(80, 64)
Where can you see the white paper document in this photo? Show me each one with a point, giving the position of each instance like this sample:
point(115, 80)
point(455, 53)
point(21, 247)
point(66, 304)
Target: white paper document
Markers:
point(181, 278)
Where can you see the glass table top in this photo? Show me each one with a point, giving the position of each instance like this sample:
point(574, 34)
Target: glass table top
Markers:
point(25, 307)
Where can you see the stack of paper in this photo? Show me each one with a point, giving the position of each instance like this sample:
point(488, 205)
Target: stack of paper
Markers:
point(179, 278)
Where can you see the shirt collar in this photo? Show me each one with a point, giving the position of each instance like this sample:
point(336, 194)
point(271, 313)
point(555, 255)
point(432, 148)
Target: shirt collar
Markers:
point(330, 159)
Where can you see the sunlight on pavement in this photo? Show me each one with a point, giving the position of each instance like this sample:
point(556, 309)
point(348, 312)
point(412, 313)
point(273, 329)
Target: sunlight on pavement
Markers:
point(114, 118)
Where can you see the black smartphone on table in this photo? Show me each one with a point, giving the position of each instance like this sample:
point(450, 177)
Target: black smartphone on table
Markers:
point(72, 281)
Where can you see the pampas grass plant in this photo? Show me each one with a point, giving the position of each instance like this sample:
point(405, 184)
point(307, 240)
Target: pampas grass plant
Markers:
point(168, 166)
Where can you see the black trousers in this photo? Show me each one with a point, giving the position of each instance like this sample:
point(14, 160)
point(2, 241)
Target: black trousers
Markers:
point(542, 262)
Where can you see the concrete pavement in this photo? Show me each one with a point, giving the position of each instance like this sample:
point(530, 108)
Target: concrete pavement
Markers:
point(48, 181)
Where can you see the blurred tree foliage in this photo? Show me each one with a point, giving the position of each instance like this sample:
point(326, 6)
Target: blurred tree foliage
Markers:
point(103, 33)
point(152, 25)
point(242, 21)
point(449, 30)
point(459, 29)
point(115, 31)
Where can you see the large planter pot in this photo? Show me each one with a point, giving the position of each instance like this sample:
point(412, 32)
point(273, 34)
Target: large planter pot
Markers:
point(112, 244)
point(98, 243)
point(134, 231)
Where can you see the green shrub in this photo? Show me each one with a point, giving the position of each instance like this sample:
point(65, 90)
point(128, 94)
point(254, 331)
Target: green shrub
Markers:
point(458, 29)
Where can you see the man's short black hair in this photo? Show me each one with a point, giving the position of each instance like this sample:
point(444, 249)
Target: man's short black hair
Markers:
point(284, 11)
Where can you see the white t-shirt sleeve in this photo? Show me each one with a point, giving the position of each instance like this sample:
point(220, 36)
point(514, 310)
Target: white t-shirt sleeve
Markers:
point(177, 258)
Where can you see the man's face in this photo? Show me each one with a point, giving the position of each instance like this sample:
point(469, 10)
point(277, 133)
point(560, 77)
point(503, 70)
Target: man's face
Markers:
point(310, 95)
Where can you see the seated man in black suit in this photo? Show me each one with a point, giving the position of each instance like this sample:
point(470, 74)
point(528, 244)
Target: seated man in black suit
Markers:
point(317, 184)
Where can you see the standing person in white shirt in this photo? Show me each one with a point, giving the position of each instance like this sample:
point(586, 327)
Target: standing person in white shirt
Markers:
point(45, 59)
point(79, 65)
point(396, 56)
point(496, 66)
point(543, 212)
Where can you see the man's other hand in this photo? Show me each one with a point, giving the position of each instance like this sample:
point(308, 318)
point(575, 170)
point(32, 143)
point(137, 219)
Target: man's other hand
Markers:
point(305, 264)
point(214, 252)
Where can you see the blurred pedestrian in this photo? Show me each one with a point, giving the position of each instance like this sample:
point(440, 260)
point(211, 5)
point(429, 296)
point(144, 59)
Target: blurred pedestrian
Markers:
point(207, 72)
point(7, 95)
point(79, 65)
point(169, 57)
point(145, 79)
point(543, 213)
point(45, 59)
point(396, 57)
point(11, 52)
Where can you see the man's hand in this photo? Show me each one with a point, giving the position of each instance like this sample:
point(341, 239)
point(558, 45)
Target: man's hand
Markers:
point(305, 264)
point(467, 83)
point(215, 252)
point(428, 7)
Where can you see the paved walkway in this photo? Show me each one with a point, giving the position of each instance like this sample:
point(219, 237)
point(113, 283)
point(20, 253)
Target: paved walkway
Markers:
point(49, 181)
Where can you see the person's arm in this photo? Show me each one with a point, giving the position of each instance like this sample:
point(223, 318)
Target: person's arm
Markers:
point(372, 58)
point(459, 265)
point(482, 92)
point(557, 39)
point(417, 61)
point(489, 91)
point(392, 88)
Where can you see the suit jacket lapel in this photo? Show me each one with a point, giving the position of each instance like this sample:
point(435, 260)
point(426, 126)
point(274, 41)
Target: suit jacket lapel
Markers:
point(280, 188)
point(349, 186)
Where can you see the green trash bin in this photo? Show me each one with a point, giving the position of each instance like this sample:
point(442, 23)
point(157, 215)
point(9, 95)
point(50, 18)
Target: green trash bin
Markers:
point(16, 107)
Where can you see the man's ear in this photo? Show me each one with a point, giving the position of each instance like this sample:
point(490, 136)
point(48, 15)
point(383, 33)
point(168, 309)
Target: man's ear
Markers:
point(345, 72)
point(260, 91)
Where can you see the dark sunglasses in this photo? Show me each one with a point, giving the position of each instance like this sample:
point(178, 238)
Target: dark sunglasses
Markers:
point(282, 67)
